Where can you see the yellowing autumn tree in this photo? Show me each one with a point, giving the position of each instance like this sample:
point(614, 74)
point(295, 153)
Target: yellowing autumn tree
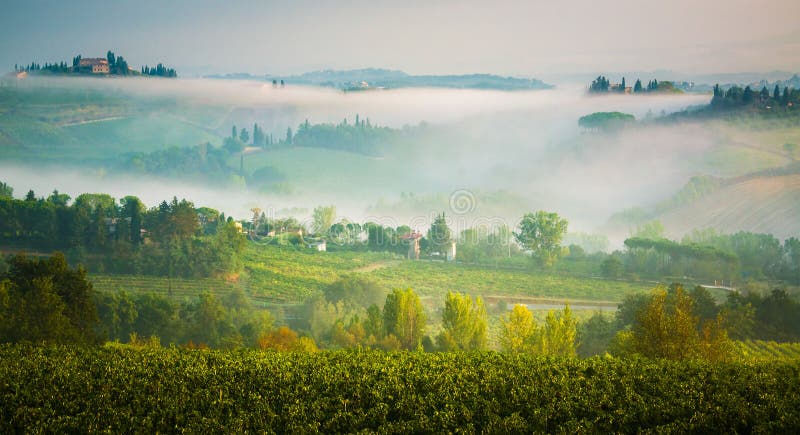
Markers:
point(520, 333)
point(667, 328)
point(404, 317)
point(518, 330)
point(284, 339)
point(464, 323)
point(558, 335)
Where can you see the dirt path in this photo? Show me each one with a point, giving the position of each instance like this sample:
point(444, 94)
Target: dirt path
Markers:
point(92, 121)
point(534, 300)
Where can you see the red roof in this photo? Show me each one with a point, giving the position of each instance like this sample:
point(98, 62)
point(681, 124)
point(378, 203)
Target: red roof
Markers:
point(411, 236)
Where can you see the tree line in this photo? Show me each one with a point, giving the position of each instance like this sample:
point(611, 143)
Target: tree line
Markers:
point(117, 65)
point(602, 85)
point(737, 98)
point(203, 162)
point(539, 236)
point(359, 136)
point(709, 256)
point(675, 323)
point(171, 239)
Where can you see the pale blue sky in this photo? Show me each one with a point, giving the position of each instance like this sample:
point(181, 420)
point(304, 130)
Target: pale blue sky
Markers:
point(522, 38)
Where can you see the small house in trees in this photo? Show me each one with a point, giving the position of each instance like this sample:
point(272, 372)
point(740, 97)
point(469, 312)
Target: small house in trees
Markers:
point(412, 239)
point(94, 65)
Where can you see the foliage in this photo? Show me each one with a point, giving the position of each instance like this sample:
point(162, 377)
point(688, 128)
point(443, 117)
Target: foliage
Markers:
point(70, 389)
point(611, 267)
point(665, 257)
point(323, 219)
point(355, 290)
point(668, 328)
point(600, 84)
point(558, 335)
point(590, 243)
point(6, 191)
point(606, 121)
point(404, 318)
point(653, 230)
point(711, 256)
point(159, 70)
point(439, 235)
point(284, 339)
point(363, 137)
point(476, 245)
point(541, 234)
point(464, 323)
point(124, 237)
point(205, 318)
point(775, 316)
point(736, 98)
point(594, 335)
point(520, 333)
point(117, 65)
point(518, 330)
point(46, 300)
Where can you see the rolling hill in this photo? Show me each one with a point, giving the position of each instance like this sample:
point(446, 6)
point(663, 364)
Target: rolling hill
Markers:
point(760, 204)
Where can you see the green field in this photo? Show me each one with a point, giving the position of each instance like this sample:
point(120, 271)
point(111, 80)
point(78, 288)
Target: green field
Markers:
point(320, 170)
point(144, 133)
point(288, 275)
point(116, 388)
point(64, 125)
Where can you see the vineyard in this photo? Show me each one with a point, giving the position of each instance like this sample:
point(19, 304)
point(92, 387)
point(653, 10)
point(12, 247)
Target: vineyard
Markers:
point(759, 350)
point(284, 274)
point(436, 278)
point(280, 275)
point(290, 275)
point(175, 287)
point(116, 389)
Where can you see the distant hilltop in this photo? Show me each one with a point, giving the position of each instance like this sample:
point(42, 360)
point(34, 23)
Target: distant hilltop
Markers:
point(96, 66)
point(374, 78)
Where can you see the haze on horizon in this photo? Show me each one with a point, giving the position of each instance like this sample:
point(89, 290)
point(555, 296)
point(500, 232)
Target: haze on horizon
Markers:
point(532, 39)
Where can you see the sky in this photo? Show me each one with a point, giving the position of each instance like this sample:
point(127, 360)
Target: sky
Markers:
point(527, 38)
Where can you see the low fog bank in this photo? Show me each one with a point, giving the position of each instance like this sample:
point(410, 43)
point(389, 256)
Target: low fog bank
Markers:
point(393, 107)
point(527, 143)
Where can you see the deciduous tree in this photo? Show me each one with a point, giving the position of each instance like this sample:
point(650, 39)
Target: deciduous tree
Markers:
point(464, 323)
point(541, 234)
